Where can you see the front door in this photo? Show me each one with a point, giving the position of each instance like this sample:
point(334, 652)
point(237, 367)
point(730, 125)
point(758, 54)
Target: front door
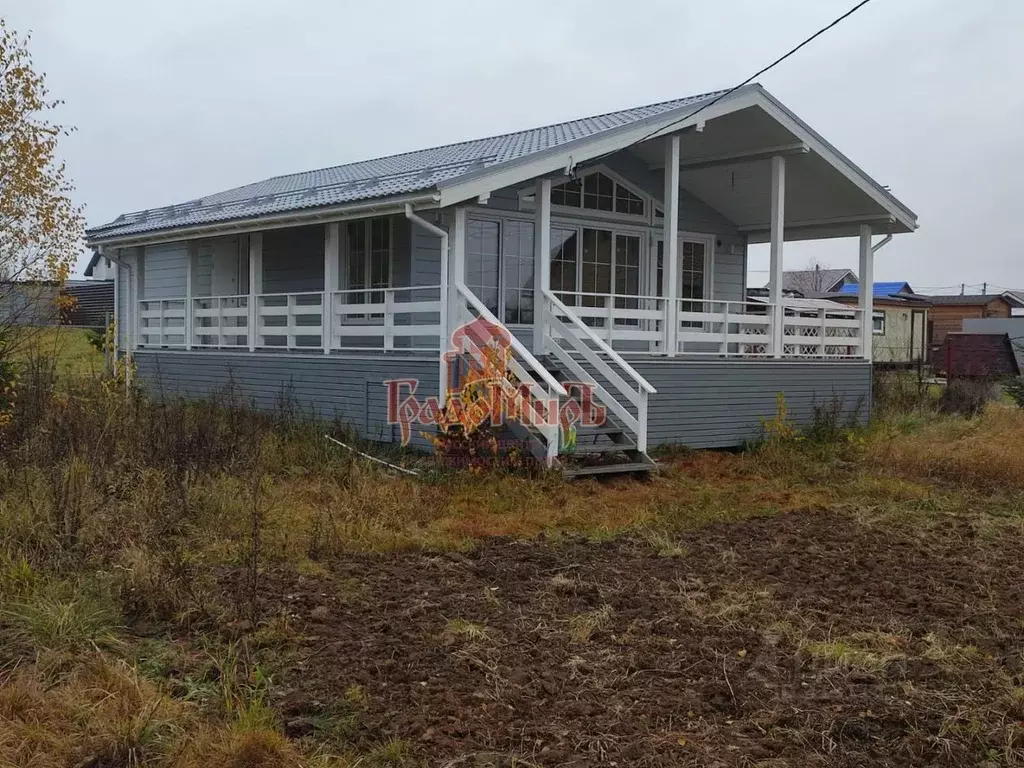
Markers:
point(499, 267)
point(694, 271)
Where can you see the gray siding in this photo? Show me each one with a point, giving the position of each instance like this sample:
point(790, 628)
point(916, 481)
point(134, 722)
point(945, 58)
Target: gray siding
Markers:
point(425, 256)
point(164, 270)
point(293, 260)
point(125, 290)
point(720, 403)
point(350, 389)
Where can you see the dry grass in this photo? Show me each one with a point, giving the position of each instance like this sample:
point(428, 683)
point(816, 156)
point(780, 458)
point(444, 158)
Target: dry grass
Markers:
point(982, 453)
point(117, 513)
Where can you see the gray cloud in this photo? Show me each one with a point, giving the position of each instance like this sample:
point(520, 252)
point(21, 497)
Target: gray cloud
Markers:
point(177, 100)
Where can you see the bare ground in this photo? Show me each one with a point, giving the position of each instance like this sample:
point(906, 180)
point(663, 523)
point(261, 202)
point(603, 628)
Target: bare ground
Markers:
point(802, 639)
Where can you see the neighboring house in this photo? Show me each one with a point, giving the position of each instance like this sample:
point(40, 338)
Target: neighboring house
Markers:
point(1013, 327)
point(899, 321)
point(948, 313)
point(100, 268)
point(612, 249)
point(808, 281)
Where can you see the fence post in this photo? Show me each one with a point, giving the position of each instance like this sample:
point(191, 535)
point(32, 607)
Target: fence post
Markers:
point(822, 330)
point(389, 320)
point(725, 329)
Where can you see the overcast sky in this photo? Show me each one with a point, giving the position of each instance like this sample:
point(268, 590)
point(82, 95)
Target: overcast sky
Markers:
point(176, 100)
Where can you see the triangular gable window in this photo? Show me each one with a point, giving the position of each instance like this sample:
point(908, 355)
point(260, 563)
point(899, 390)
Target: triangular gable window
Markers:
point(598, 192)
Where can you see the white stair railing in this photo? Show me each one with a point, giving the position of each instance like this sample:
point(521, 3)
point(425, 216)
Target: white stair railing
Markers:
point(523, 366)
point(625, 379)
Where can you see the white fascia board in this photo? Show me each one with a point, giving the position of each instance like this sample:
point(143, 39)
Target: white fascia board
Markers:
point(836, 159)
point(574, 153)
point(380, 207)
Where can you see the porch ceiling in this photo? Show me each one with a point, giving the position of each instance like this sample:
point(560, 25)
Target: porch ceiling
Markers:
point(728, 166)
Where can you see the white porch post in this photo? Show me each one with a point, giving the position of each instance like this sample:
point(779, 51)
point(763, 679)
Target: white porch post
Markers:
point(138, 294)
point(867, 285)
point(670, 263)
point(457, 264)
point(778, 218)
point(255, 286)
point(332, 248)
point(190, 270)
point(541, 263)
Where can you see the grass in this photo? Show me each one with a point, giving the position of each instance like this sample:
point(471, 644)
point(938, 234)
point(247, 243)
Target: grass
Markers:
point(117, 517)
point(69, 348)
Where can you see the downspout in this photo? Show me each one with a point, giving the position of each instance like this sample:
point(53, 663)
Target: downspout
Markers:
point(443, 310)
point(881, 244)
point(129, 343)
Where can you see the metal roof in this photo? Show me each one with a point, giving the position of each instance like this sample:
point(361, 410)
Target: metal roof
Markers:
point(813, 279)
point(879, 289)
point(971, 300)
point(383, 177)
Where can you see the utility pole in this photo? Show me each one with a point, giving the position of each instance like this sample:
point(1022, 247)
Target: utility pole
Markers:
point(962, 287)
point(984, 289)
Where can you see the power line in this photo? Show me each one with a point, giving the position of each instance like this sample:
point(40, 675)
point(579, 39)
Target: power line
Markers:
point(750, 79)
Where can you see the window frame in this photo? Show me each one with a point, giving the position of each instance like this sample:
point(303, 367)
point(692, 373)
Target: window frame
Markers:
point(528, 199)
point(501, 220)
point(346, 257)
point(878, 314)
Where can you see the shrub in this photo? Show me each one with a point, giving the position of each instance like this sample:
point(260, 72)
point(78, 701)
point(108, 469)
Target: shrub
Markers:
point(966, 397)
point(1015, 389)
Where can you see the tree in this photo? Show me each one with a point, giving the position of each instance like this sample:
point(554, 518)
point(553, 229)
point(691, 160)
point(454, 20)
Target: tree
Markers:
point(813, 279)
point(40, 228)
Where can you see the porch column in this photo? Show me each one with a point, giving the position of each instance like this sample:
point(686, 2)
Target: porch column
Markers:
point(670, 263)
point(255, 286)
point(457, 265)
point(332, 248)
point(541, 263)
point(778, 217)
point(138, 294)
point(867, 285)
point(190, 270)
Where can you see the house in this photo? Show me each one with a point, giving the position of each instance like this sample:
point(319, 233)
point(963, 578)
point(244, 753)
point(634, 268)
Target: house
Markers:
point(99, 267)
point(817, 280)
point(899, 321)
point(612, 248)
point(948, 313)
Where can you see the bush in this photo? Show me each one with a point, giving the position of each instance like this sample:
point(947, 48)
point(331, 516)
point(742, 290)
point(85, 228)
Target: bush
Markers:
point(1015, 389)
point(966, 397)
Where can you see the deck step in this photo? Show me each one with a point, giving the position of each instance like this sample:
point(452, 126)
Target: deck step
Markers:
point(610, 469)
point(594, 448)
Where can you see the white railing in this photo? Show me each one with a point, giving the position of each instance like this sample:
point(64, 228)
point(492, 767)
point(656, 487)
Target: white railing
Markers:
point(160, 323)
point(731, 328)
point(387, 319)
point(619, 318)
point(290, 320)
point(522, 367)
point(823, 333)
point(569, 332)
point(220, 322)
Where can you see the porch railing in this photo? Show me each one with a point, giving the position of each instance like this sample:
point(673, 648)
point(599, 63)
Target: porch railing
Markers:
point(220, 322)
point(161, 323)
point(387, 319)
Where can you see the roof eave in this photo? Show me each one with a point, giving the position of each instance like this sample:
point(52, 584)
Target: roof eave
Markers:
point(360, 209)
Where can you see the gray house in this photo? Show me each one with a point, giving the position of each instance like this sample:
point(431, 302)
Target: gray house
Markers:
point(611, 250)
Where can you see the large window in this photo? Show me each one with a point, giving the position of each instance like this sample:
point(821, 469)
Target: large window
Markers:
point(588, 264)
point(483, 252)
point(499, 267)
point(368, 259)
point(598, 192)
point(692, 275)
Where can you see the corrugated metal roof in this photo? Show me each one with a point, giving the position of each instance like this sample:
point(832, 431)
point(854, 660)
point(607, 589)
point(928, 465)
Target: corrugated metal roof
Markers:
point(879, 289)
point(383, 177)
point(806, 280)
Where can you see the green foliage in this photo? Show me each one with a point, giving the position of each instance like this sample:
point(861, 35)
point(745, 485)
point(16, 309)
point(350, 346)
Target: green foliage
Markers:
point(1014, 388)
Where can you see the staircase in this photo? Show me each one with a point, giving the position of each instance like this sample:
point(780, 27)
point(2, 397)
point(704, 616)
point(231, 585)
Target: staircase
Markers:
point(616, 446)
point(601, 449)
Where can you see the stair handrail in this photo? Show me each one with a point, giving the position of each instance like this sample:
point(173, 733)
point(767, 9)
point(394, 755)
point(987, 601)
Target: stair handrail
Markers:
point(531, 361)
point(602, 345)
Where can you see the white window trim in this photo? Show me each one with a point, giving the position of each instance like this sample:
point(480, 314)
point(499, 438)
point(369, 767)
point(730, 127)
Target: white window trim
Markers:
point(528, 202)
point(345, 255)
point(709, 260)
point(875, 315)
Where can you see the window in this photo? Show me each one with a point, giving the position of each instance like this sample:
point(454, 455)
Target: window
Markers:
point(564, 244)
point(368, 262)
point(598, 192)
point(518, 261)
point(878, 323)
point(692, 254)
point(596, 266)
point(482, 256)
